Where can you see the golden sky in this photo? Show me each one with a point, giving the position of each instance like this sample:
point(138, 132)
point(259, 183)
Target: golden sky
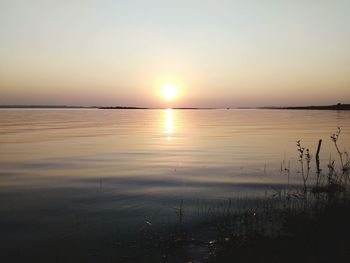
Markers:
point(218, 53)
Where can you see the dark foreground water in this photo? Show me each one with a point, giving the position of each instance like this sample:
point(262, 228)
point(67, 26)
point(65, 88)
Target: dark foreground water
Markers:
point(73, 181)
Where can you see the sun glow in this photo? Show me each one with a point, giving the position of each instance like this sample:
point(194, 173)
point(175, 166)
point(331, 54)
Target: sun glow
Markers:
point(169, 91)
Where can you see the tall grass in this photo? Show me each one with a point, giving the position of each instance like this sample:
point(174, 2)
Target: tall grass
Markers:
point(298, 225)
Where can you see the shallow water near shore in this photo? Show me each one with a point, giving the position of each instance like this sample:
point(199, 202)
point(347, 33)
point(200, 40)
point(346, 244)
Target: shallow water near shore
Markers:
point(85, 175)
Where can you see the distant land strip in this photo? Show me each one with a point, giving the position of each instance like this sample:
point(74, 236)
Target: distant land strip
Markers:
point(45, 107)
point(181, 108)
point(92, 107)
point(338, 106)
point(122, 108)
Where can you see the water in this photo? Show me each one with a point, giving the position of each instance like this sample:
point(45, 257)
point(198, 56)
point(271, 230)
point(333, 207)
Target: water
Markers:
point(68, 176)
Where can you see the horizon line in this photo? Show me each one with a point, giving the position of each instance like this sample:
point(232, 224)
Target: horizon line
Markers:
point(57, 106)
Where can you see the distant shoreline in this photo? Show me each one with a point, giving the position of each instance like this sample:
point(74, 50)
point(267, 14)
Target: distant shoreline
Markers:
point(338, 107)
point(93, 107)
point(121, 108)
point(45, 107)
point(324, 107)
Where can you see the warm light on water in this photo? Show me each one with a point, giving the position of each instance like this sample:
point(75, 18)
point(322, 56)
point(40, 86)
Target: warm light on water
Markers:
point(169, 123)
point(74, 145)
point(107, 168)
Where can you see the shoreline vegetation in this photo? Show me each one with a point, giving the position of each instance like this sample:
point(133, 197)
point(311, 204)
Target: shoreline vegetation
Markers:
point(305, 224)
point(338, 107)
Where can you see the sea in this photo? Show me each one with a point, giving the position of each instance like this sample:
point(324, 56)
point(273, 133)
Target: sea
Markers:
point(88, 176)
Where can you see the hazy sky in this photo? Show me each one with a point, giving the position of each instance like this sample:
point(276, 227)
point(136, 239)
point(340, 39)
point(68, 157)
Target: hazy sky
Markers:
point(219, 53)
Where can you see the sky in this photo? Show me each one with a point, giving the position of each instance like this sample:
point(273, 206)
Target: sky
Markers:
point(218, 53)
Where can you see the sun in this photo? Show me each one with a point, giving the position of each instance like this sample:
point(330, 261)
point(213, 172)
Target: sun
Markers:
point(169, 91)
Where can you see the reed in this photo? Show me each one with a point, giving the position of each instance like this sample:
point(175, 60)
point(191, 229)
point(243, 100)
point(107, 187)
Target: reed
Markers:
point(306, 224)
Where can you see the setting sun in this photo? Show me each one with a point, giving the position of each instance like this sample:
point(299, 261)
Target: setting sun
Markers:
point(169, 91)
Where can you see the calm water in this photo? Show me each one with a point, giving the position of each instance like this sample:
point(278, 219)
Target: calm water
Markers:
point(88, 174)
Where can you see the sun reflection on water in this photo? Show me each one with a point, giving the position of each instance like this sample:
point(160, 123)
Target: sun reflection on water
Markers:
point(169, 123)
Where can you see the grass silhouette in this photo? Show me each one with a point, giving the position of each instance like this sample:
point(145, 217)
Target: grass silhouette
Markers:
point(308, 224)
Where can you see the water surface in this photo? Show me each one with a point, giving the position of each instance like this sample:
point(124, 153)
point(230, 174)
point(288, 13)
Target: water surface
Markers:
point(89, 174)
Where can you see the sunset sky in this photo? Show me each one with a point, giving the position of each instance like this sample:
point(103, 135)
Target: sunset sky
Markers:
point(221, 53)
